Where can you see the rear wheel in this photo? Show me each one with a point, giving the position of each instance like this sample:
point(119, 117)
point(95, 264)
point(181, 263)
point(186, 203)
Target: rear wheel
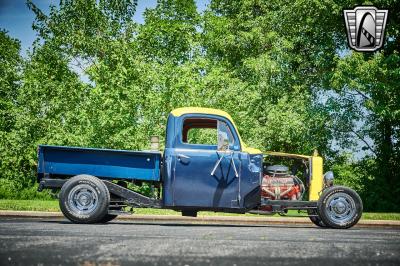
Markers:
point(84, 199)
point(340, 207)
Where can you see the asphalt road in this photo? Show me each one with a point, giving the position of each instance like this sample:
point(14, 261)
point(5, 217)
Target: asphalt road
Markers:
point(57, 241)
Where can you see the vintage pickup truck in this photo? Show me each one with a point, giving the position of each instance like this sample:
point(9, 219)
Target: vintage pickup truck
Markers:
point(218, 173)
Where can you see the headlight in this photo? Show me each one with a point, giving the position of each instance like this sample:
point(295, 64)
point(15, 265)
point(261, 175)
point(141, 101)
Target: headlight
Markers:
point(328, 178)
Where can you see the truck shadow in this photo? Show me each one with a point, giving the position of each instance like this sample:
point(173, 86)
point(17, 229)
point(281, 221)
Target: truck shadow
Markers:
point(215, 225)
point(175, 224)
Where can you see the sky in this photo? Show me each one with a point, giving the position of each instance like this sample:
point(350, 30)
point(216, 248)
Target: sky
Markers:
point(17, 19)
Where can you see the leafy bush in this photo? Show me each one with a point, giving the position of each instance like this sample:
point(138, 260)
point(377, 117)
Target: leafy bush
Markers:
point(12, 189)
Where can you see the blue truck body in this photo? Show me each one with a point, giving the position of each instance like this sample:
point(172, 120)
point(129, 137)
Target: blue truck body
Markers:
point(103, 163)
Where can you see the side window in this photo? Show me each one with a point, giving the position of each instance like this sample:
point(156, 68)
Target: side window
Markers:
point(204, 131)
point(202, 136)
point(199, 131)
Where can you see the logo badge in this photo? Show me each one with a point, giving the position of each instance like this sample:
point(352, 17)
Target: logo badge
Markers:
point(365, 28)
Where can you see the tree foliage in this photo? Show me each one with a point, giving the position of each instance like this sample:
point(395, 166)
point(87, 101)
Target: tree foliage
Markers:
point(282, 69)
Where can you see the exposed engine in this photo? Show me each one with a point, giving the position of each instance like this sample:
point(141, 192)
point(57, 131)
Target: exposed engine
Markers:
point(278, 184)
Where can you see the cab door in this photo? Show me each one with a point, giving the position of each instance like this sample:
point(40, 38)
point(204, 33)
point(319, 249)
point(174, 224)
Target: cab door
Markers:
point(203, 176)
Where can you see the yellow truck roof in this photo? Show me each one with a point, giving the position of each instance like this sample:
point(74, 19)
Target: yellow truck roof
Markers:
point(200, 110)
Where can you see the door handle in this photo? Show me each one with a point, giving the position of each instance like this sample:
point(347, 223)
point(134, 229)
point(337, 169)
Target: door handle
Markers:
point(183, 159)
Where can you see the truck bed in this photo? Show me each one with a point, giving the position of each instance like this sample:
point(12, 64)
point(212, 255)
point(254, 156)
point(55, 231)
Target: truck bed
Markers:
point(56, 161)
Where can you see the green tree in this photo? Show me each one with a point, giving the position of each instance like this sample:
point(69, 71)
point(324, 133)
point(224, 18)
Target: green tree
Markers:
point(10, 75)
point(10, 70)
point(282, 51)
point(169, 33)
point(367, 108)
point(281, 68)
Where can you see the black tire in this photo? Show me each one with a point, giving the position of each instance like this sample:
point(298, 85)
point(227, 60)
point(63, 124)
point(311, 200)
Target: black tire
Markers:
point(84, 199)
point(340, 207)
point(315, 219)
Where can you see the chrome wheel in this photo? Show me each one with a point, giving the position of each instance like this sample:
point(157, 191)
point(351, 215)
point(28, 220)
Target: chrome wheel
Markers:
point(82, 199)
point(340, 207)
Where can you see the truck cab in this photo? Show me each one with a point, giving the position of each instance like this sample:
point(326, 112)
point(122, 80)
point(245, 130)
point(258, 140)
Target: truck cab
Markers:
point(202, 174)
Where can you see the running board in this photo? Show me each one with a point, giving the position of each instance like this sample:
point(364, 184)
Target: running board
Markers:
point(131, 197)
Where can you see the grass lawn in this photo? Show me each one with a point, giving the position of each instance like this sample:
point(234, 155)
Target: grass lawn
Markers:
point(52, 205)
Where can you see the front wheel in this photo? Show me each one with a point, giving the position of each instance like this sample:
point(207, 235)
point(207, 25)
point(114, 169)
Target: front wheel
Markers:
point(340, 207)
